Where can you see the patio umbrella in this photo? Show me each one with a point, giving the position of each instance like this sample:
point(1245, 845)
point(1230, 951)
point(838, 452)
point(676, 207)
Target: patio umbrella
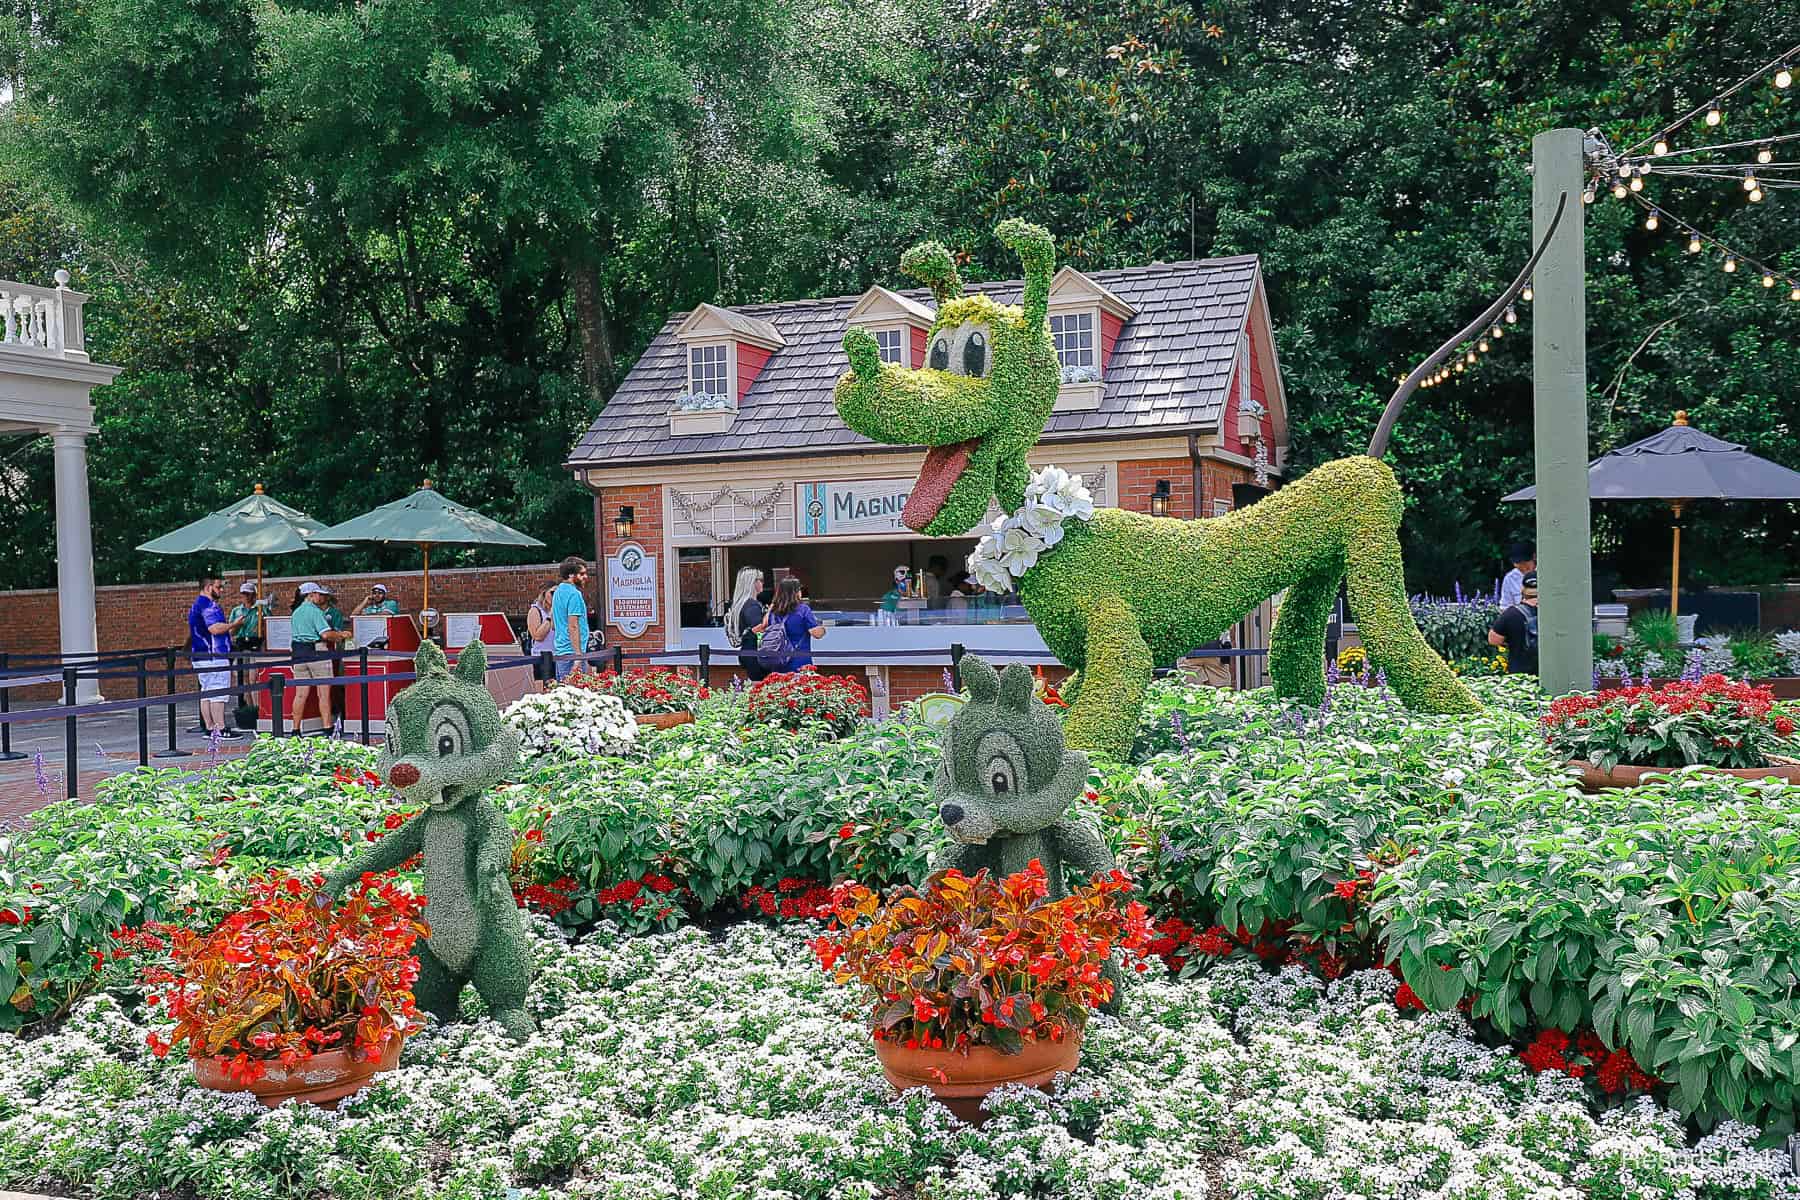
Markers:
point(256, 526)
point(426, 519)
point(1680, 465)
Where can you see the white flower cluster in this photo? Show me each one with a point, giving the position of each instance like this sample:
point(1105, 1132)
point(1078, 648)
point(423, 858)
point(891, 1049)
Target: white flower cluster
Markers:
point(569, 722)
point(1081, 374)
point(1787, 647)
point(676, 1067)
point(702, 402)
point(1016, 540)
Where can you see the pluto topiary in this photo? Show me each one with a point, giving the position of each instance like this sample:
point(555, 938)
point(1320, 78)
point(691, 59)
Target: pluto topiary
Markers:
point(1117, 594)
point(445, 746)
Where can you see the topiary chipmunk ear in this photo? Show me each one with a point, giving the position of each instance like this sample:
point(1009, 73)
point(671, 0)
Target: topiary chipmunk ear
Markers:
point(981, 679)
point(429, 660)
point(471, 664)
point(1015, 687)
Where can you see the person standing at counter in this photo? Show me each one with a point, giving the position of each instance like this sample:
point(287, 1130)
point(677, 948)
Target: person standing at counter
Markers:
point(312, 639)
point(742, 619)
point(798, 626)
point(378, 603)
point(247, 615)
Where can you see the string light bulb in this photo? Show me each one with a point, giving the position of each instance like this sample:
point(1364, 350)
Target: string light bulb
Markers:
point(1637, 183)
point(1768, 280)
point(1471, 358)
point(1730, 264)
point(1661, 148)
point(1765, 153)
point(1755, 196)
point(1784, 76)
point(1495, 332)
point(1749, 180)
point(1587, 194)
point(1652, 221)
point(1713, 114)
point(1624, 170)
point(1795, 294)
point(1694, 246)
point(1621, 191)
point(1524, 295)
point(1482, 345)
point(1512, 316)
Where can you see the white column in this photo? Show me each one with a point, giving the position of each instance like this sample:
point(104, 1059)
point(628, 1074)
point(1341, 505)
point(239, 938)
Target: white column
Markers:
point(75, 554)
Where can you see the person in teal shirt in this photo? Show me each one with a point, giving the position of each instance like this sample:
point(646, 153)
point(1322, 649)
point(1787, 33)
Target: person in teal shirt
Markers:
point(569, 615)
point(246, 610)
point(311, 638)
point(378, 604)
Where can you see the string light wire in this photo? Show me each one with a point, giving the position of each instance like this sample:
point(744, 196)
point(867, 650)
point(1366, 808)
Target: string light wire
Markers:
point(1737, 258)
point(1716, 104)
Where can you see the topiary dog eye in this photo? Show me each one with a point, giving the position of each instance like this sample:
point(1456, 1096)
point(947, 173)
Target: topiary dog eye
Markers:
point(975, 355)
point(940, 354)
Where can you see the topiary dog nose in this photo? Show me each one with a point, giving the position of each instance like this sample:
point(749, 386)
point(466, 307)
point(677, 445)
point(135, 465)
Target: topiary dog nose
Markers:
point(952, 814)
point(403, 775)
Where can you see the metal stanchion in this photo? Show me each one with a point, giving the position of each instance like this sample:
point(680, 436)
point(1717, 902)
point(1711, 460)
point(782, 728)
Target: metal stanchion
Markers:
point(276, 683)
point(71, 766)
point(619, 659)
point(169, 665)
point(7, 753)
point(956, 657)
point(705, 665)
point(546, 666)
point(143, 712)
point(362, 661)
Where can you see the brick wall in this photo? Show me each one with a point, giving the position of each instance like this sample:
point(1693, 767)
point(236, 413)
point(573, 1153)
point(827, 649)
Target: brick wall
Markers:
point(1216, 479)
point(138, 616)
point(1137, 480)
point(647, 531)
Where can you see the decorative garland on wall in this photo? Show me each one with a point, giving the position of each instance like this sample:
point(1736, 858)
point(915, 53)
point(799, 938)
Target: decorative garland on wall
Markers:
point(693, 507)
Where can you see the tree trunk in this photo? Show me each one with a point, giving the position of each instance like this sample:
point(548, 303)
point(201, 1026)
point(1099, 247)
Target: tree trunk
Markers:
point(596, 339)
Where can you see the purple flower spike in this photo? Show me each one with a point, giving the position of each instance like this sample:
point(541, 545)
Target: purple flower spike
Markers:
point(1596, 678)
point(949, 680)
point(1690, 673)
point(1459, 591)
point(1180, 732)
point(1333, 673)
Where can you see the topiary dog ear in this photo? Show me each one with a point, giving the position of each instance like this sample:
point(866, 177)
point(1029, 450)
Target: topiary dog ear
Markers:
point(981, 679)
point(471, 664)
point(1015, 687)
point(1037, 257)
point(930, 263)
point(429, 660)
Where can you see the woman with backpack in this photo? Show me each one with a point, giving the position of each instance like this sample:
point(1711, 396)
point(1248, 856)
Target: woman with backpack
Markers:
point(786, 635)
point(741, 619)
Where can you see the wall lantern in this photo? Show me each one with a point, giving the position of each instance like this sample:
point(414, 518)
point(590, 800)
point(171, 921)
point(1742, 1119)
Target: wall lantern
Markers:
point(1159, 499)
point(623, 523)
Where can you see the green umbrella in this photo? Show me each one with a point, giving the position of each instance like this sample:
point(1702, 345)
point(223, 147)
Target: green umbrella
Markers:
point(426, 519)
point(257, 525)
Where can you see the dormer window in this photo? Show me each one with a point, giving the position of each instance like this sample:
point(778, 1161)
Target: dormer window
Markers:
point(1074, 337)
point(892, 344)
point(709, 370)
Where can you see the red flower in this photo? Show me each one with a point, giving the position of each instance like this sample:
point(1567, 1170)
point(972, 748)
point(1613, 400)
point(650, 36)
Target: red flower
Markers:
point(846, 831)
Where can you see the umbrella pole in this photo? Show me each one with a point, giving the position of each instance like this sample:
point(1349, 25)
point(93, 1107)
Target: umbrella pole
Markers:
point(426, 547)
point(1675, 562)
point(259, 585)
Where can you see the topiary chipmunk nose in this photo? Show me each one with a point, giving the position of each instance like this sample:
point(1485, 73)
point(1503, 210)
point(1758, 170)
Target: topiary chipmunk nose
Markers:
point(403, 775)
point(952, 813)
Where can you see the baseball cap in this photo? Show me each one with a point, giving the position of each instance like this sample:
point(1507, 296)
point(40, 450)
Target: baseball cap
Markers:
point(309, 588)
point(247, 588)
point(380, 587)
point(1529, 583)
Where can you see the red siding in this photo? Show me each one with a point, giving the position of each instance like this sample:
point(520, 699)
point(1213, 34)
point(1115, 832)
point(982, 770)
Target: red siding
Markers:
point(1109, 333)
point(918, 346)
point(750, 362)
point(1258, 359)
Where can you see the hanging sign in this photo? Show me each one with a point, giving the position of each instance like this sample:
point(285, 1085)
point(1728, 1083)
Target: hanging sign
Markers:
point(840, 508)
point(631, 589)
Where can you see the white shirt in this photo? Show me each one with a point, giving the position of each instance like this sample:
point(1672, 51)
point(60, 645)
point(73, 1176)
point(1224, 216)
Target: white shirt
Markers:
point(1512, 588)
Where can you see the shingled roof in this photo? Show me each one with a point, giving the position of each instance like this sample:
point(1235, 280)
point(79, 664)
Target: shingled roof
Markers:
point(1169, 372)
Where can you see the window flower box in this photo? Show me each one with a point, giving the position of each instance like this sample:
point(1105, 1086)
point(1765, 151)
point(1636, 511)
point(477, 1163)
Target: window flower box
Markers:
point(700, 413)
point(1081, 390)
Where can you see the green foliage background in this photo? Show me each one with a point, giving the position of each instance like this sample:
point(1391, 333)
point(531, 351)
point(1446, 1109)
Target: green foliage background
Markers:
point(342, 247)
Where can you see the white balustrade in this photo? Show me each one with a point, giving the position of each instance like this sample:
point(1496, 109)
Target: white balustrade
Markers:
point(45, 320)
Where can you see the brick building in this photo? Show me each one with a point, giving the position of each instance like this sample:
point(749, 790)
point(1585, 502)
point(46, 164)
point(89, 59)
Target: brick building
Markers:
point(722, 449)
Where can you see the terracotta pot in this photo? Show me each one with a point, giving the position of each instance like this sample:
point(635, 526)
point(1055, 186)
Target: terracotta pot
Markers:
point(664, 720)
point(323, 1079)
point(1593, 779)
point(962, 1081)
point(1784, 687)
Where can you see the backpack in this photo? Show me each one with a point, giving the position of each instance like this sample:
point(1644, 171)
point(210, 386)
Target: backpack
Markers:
point(773, 650)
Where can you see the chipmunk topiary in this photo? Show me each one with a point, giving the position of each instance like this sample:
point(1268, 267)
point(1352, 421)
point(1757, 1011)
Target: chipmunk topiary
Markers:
point(1005, 784)
point(445, 746)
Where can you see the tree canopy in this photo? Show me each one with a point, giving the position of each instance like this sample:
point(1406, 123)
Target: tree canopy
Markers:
point(340, 247)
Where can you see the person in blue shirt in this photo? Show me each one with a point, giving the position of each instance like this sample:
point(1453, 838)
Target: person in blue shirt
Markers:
point(209, 647)
point(569, 615)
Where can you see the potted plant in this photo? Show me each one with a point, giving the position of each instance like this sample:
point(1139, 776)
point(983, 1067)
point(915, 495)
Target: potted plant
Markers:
point(660, 697)
point(971, 982)
point(571, 722)
point(291, 999)
point(1618, 735)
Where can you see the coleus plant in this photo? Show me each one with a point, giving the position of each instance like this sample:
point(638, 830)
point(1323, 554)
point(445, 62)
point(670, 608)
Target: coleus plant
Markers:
point(285, 978)
point(977, 961)
point(1712, 721)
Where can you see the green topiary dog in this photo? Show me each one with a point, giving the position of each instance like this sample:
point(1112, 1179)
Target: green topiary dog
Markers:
point(445, 745)
point(1123, 593)
point(1005, 784)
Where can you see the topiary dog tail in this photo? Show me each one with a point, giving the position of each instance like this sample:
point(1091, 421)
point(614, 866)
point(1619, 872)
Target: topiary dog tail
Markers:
point(1391, 414)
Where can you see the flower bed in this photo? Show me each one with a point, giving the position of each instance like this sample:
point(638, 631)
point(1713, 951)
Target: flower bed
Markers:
point(571, 722)
point(677, 1066)
point(837, 703)
point(645, 690)
point(1712, 721)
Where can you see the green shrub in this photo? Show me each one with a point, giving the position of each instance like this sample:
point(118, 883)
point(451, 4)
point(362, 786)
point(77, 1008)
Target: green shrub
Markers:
point(1455, 628)
point(1657, 629)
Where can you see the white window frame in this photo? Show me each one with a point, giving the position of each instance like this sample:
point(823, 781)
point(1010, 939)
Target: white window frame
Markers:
point(1076, 346)
point(895, 334)
point(702, 359)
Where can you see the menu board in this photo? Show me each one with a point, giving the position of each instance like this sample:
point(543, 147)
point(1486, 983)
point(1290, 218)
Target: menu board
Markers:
point(461, 628)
